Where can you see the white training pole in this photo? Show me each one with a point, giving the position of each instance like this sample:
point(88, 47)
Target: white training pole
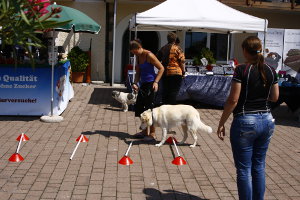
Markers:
point(175, 146)
point(128, 148)
point(81, 137)
point(19, 145)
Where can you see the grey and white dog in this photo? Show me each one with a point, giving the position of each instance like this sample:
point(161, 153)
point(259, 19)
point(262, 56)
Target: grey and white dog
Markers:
point(124, 98)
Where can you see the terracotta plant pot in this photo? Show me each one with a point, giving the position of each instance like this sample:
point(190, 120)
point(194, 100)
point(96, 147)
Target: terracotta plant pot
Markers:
point(77, 77)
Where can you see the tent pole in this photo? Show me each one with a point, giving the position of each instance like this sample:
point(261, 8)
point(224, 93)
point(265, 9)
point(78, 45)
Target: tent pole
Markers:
point(265, 35)
point(228, 43)
point(134, 57)
point(114, 44)
point(129, 37)
point(52, 72)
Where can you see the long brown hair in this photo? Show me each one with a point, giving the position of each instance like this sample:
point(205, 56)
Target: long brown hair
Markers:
point(253, 46)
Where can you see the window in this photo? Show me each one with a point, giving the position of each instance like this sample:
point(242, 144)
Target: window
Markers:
point(194, 42)
point(218, 45)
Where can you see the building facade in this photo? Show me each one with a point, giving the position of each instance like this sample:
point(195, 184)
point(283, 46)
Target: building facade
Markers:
point(280, 14)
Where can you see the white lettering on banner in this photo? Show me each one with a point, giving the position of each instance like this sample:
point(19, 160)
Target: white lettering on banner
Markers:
point(5, 86)
point(24, 86)
point(30, 78)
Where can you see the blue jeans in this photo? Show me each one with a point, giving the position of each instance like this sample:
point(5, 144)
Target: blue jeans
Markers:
point(250, 135)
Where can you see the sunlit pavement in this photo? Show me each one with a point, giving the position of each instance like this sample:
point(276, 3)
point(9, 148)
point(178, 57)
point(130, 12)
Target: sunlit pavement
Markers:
point(94, 173)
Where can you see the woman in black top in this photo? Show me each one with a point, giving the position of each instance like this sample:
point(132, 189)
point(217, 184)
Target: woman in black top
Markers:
point(254, 85)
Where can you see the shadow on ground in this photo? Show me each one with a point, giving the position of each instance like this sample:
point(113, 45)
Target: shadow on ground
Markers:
point(154, 194)
point(121, 135)
point(285, 117)
point(127, 138)
point(103, 96)
point(19, 118)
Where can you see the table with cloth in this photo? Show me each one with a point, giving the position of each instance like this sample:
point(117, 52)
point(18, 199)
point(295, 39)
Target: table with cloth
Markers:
point(290, 96)
point(212, 90)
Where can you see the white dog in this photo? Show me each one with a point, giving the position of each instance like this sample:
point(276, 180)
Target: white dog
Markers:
point(60, 87)
point(168, 116)
point(124, 98)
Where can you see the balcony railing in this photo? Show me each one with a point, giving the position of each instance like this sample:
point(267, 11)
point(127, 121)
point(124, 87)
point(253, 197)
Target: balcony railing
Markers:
point(274, 4)
point(292, 2)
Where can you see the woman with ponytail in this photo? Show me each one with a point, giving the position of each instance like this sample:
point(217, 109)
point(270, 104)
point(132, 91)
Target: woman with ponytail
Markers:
point(254, 85)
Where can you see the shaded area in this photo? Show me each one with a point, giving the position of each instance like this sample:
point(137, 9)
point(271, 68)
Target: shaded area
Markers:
point(103, 96)
point(120, 135)
point(154, 194)
point(127, 138)
point(19, 118)
point(290, 96)
point(212, 90)
point(285, 116)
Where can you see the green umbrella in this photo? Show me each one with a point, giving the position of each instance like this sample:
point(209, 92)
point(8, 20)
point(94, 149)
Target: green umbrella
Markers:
point(80, 21)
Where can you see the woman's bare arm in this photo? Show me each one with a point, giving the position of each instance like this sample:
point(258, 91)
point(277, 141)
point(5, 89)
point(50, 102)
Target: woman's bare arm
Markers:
point(274, 94)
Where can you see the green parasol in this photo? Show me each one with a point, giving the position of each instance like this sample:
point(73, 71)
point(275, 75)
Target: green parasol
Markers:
point(80, 21)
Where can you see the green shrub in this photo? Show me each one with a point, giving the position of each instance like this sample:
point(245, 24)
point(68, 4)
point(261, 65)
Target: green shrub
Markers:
point(79, 59)
point(209, 55)
point(205, 53)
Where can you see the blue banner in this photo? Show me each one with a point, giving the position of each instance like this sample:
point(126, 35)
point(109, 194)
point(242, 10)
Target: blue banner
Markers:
point(27, 91)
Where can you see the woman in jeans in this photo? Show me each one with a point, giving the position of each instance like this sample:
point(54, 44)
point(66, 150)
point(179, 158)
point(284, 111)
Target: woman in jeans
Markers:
point(148, 82)
point(254, 85)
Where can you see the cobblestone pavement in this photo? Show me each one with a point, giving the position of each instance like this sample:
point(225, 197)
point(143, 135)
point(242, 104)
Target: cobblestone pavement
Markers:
point(94, 172)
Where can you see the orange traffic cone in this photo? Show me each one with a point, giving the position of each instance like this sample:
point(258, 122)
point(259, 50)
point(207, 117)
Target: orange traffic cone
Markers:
point(125, 160)
point(178, 160)
point(170, 140)
point(84, 139)
point(25, 138)
point(16, 157)
point(81, 138)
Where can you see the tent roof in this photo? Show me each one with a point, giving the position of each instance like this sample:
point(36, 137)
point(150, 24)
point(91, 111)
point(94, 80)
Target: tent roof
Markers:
point(198, 16)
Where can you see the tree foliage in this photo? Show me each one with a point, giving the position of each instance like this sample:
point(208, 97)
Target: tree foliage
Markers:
point(22, 20)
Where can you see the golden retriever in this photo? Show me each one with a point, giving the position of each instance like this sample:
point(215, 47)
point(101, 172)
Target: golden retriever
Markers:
point(168, 116)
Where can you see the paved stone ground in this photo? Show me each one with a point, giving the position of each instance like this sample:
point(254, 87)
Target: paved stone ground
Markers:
point(94, 172)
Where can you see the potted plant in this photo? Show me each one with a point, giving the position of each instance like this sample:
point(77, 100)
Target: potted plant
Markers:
point(79, 62)
point(208, 54)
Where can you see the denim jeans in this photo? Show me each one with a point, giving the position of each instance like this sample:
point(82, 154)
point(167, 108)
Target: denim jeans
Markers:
point(250, 135)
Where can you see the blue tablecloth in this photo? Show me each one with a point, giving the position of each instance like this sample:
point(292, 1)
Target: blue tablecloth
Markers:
point(212, 90)
point(290, 96)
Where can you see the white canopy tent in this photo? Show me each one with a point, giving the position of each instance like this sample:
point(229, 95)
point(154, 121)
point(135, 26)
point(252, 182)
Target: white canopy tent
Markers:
point(197, 16)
